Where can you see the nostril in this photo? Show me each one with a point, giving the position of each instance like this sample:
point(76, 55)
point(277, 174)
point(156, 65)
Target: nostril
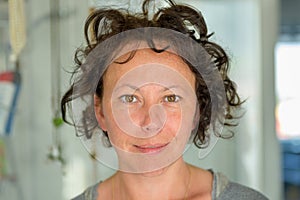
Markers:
point(157, 119)
point(152, 128)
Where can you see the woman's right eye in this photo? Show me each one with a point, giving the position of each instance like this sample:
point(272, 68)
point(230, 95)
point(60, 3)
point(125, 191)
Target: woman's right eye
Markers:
point(129, 98)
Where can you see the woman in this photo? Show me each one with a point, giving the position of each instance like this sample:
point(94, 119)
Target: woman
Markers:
point(153, 83)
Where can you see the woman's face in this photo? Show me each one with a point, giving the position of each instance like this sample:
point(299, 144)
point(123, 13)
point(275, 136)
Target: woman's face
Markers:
point(148, 106)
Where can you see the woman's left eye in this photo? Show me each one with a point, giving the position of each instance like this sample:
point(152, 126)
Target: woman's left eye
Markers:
point(172, 98)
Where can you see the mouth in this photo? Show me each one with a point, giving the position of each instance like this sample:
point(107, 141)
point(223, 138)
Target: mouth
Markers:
point(150, 148)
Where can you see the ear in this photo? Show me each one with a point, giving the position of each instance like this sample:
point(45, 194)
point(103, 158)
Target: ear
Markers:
point(99, 113)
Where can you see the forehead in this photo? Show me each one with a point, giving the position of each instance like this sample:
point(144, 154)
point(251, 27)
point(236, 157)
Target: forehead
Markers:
point(145, 57)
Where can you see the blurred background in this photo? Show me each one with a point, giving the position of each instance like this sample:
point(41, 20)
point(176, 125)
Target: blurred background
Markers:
point(41, 158)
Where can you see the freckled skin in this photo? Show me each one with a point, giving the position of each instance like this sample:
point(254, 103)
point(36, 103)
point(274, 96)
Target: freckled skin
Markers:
point(150, 94)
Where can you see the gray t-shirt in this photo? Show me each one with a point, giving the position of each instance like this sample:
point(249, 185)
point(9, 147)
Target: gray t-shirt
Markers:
point(223, 189)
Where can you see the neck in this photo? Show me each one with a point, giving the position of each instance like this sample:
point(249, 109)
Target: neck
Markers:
point(171, 182)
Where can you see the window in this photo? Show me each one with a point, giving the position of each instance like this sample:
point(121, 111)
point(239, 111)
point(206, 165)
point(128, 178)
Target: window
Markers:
point(287, 79)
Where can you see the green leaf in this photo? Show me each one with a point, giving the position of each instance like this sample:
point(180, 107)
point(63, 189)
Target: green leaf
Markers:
point(57, 122)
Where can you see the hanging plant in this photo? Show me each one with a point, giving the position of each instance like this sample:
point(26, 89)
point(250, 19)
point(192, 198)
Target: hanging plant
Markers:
point(56, 150)
point(57, 122)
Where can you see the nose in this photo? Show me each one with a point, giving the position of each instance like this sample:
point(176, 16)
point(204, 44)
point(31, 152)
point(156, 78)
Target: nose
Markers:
point(153, 120)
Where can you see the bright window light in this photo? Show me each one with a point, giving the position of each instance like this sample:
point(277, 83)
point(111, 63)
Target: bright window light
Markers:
point(288, 90)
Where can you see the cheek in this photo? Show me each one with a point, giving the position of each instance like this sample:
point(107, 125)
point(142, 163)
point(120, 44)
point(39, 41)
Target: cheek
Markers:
point(117, 137)
point(173, 123)
point(113, 130)
point(180, 123)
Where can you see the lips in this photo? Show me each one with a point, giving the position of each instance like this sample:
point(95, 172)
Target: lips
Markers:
point(150, 148)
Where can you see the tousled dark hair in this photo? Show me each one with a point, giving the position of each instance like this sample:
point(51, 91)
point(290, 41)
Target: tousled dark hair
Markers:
point(102, 24)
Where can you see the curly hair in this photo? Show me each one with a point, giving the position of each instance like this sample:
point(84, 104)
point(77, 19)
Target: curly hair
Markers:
point(102, 24)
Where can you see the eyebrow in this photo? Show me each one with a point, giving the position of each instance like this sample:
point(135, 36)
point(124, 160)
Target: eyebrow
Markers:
point(138, 89)
point(128, 85)
point(170, 87)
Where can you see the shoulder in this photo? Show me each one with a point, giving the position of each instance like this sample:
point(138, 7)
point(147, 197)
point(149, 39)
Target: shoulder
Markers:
point(89, 194)
point(237, 191)
point(224, 189)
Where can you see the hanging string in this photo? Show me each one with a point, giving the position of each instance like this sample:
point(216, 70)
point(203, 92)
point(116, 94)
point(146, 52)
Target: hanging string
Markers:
point(56, 149)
